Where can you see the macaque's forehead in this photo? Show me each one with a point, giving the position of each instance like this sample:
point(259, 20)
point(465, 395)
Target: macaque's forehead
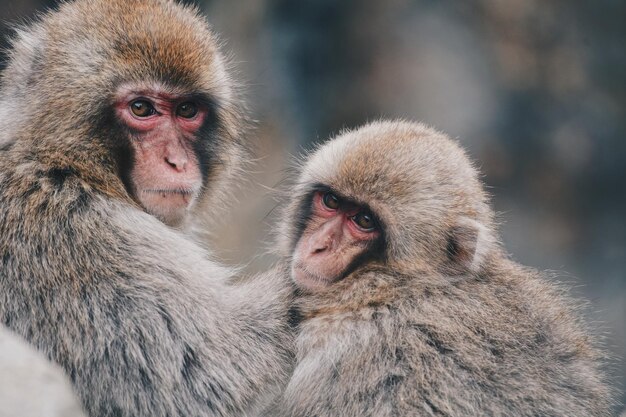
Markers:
point(400, 166)
point(374, 160)
point(153, 39)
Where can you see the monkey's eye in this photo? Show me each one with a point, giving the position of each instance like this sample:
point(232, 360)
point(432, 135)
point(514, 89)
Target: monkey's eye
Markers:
point(142, 108)
point(330, 201)
point(365, 221)
point(187, 110)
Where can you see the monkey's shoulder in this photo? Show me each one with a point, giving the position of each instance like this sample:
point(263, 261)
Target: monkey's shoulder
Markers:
point(33, 188)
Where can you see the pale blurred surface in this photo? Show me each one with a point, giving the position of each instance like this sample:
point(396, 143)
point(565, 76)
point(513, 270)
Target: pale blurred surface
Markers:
point(30, 385)
point(534, 89)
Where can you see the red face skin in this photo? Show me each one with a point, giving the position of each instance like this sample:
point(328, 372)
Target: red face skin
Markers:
point(331, 241)
point(166, 177)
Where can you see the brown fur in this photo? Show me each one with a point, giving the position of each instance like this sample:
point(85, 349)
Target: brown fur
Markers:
point(442, 323)
point(141, 319)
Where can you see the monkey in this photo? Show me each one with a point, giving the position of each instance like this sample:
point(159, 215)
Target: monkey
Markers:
point(409, 304)
point(120, 124)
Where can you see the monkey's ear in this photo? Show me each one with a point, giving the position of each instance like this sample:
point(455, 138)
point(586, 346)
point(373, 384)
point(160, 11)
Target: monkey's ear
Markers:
point(469, 242)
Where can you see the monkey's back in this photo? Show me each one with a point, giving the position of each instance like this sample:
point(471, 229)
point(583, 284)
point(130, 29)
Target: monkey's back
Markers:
point(510, 343)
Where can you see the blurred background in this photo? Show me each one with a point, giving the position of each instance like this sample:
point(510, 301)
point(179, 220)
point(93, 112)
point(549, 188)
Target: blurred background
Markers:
point(534, 89)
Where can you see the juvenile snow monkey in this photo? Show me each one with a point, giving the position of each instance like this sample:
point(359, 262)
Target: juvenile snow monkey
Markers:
point(410, 307)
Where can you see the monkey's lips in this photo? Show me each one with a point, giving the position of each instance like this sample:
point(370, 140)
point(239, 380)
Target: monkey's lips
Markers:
point(307, 279)
point(181, 197)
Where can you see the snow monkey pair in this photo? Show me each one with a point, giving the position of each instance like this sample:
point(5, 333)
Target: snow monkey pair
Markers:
point(119, 124)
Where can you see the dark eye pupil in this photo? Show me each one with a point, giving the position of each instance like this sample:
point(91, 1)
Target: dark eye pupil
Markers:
point(187, 110)
point(331, 201)
point(364, 220)
point(142, 108)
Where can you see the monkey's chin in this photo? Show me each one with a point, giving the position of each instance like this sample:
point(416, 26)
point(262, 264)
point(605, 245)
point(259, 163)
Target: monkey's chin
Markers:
point(169, 206)
point(309, 281)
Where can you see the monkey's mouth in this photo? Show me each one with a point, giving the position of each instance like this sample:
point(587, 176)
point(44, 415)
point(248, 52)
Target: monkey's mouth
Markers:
point(187, 194)
point(307, 279)
point(164, 192)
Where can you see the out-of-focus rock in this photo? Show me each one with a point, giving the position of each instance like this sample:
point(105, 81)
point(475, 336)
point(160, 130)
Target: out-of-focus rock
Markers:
point(30, 385)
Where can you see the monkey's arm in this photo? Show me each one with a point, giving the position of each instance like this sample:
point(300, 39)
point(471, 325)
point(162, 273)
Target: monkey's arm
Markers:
point(132, 310)
point(343, 368)
point(263, 304)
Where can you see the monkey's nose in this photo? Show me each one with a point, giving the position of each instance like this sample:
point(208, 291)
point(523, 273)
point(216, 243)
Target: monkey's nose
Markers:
point(179, 164)
point(321, 243)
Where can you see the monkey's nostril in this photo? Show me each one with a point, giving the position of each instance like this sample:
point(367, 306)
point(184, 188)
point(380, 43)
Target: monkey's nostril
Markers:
point(319, 246)
point(177, 165)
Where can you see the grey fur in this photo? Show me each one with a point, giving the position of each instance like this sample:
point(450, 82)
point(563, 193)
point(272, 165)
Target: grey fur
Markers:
point(428, 329)
point(136, 312)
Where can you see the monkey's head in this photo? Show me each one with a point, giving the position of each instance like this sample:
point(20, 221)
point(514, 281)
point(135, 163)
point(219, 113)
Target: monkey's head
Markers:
point(133, 97)
point(393, 195)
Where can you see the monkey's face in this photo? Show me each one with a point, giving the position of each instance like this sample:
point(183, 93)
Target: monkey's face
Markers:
point(337, 236)
point(165, 177)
